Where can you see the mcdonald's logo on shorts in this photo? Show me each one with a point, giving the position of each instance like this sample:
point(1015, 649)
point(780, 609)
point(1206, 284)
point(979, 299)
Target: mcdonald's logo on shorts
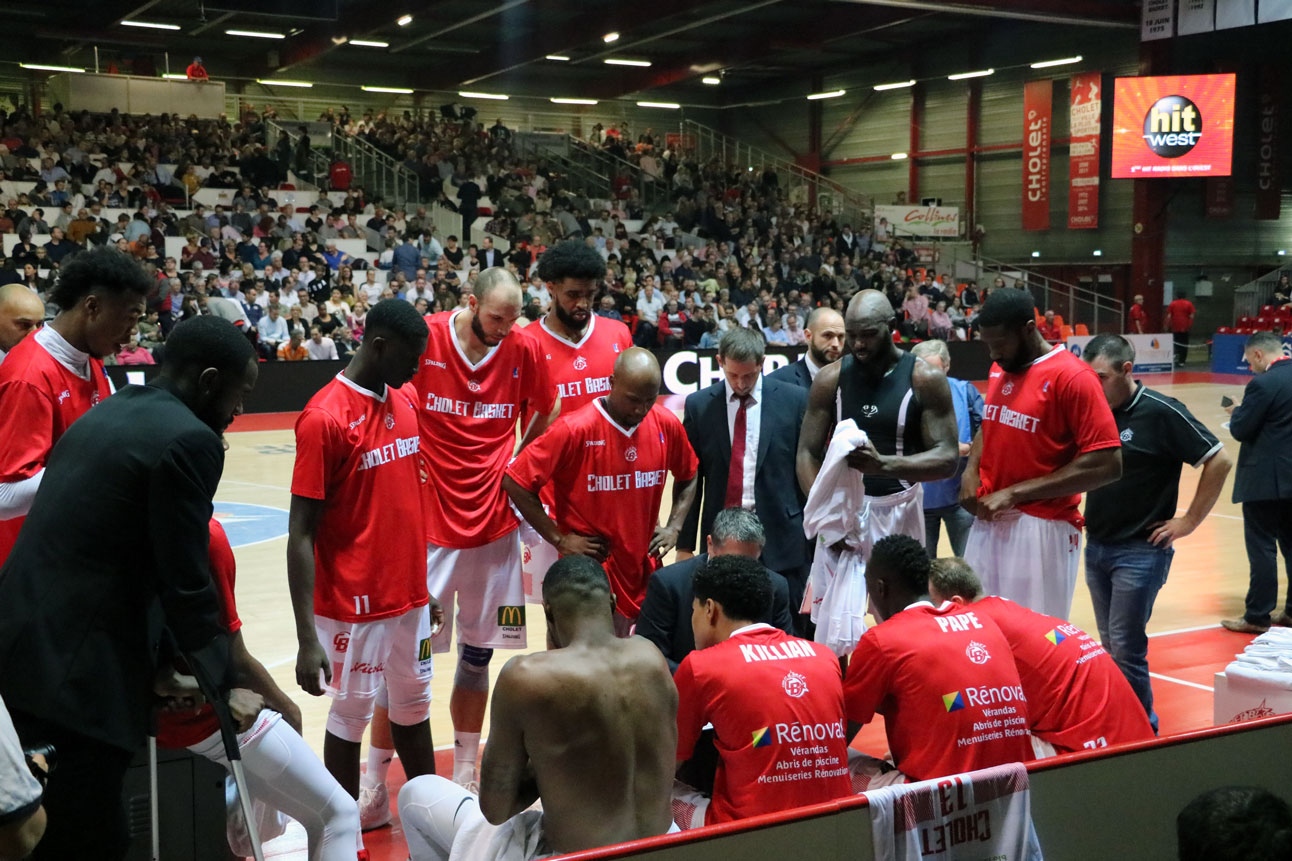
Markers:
point(511, 616)
point(424, 650)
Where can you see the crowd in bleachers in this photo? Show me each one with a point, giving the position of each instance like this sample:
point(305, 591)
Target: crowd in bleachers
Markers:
point(725, 247)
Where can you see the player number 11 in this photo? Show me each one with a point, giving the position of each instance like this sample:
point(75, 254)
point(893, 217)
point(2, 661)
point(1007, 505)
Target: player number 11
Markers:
point(361, 606)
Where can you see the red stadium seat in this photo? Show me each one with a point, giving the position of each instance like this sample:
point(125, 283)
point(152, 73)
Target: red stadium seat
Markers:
point(1225, 330)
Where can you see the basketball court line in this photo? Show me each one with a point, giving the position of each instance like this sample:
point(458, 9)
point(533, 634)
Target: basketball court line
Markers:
point(1163, 678)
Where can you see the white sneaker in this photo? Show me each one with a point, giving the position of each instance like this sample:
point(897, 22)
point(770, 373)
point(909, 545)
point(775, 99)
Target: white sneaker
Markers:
point(374, 806)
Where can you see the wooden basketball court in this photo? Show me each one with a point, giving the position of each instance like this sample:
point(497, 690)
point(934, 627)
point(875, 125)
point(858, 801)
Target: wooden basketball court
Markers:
point(1208, 582)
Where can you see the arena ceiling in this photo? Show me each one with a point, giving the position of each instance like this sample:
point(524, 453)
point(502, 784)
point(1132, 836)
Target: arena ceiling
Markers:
point(505, 46)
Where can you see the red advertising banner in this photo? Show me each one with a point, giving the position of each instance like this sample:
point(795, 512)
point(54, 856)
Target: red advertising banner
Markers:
point(1268, 180)
point(1084, 110)
point(1037, 122)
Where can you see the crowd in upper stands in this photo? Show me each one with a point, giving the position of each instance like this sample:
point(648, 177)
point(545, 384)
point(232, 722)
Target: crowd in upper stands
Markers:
point(723, 247)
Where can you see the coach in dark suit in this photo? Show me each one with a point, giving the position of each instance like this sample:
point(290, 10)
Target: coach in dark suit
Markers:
point(823, 333)
point(665, 617)
point(728, 416)
point(114, 547)
point(1263, 479)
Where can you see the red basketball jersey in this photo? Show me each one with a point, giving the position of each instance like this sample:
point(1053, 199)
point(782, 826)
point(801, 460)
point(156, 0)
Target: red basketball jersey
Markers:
point(1077, 697)
point(581, 371)
point(609, 481)
point(40, 397)
point(468, 428)
point(776, 705)
point(944, 679)
point(1038, 420)
point(358, 453)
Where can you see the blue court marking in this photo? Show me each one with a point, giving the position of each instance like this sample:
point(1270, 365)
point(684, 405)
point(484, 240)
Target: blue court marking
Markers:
point(247, 524)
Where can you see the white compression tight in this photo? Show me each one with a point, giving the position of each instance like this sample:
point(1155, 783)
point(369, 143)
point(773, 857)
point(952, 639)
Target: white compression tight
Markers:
point(433, 810)
point(285, 774)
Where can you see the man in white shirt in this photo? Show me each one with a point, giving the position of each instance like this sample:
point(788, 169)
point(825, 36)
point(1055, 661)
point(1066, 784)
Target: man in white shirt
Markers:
point(319, 347)
point(372, 288)
point(273, 329)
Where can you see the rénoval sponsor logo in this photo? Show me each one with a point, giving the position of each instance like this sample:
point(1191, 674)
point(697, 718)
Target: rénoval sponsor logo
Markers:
point(797, 733)
point(983, 695)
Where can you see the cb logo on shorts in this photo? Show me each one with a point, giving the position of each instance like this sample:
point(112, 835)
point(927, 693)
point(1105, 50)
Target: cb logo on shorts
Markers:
point(341, 641)
point(511, 616)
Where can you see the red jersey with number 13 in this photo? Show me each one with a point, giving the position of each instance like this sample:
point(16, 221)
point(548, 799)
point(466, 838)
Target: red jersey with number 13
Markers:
point(41, 397)
point(468, 427)
point(1039, 420)
point(359, 454)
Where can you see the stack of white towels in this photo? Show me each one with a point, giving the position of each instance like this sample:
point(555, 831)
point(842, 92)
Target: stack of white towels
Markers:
point(1266, 660)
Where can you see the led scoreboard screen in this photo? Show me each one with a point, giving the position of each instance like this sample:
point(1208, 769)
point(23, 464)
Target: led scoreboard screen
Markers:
point(1173, 126)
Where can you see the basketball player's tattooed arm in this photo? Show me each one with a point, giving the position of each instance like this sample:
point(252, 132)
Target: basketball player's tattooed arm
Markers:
point(938, 432)
point(302, 526)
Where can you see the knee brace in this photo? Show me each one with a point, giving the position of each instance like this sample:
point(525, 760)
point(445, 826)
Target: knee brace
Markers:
point(473, 668)
point(350, 716)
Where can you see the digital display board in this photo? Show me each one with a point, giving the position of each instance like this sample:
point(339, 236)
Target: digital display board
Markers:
point(1173, 126)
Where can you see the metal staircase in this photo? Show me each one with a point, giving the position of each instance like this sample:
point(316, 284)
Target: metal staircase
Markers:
point(1075, 303)
point(591, 170)
point(377, 172)
point(705, 144)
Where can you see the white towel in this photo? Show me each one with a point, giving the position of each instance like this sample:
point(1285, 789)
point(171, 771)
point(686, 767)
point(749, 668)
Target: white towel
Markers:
point(837, 511)
point(991, 817)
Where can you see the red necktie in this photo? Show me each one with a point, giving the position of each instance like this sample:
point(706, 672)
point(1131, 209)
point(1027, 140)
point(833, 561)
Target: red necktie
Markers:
point(736, 470)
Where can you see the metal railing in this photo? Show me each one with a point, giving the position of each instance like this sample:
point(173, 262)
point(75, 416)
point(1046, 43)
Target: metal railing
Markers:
point(592, 170)
point(319, 164)
point(376, 171)
point(800, 184)
point(1250, 298)
point(1076, 304)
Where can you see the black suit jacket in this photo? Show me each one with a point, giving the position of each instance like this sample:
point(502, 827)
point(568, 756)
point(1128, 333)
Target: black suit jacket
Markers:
point(777, 500)
point(665, 618)
point(1263, 424)
point(115, 545)
point(795, 373)
point(490, 258)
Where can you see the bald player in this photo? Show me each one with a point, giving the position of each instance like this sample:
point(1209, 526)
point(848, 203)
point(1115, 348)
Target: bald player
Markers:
point(607, 464)
point(824, 335)
point(477, 378)
point(592, 721)
point(902, 404)
point(21, 313)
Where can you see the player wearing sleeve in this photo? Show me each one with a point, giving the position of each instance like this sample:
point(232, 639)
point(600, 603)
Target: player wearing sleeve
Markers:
point(942, 676)
point(283, 774)
point(775, 702)
point(476, 378)
point(606, 464)
point(52, 378)
point(1077, 698)
point(1047, 436)
point(355, 568)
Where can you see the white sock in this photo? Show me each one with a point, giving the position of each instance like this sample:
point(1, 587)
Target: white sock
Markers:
point(379, 759)
point(466, 749)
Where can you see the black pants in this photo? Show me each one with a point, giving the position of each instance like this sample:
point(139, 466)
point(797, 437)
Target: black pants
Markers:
point(1181, 340)
point(1267, 528)
point(86, 818)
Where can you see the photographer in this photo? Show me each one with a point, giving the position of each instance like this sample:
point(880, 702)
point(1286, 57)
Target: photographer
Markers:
point(22, 818)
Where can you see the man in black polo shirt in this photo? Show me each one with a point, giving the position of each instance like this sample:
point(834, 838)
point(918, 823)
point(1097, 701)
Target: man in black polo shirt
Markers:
point(1132, 523)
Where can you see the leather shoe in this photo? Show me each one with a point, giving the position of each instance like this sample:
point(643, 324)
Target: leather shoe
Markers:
point(1283, 620)
point(1242, 626)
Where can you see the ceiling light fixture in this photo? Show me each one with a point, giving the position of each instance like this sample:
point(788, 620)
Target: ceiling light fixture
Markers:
point(1066, 61)
point(1036, 254)
point(404, 20)
point(711, 80)
point(255, 34)
point(981, 73)
point(563, 101)
point(559, 58)
point(832, 94)
point(271, 83)
point(150, 25)
point(401, 90)
point(369, 43)
point(495, 96)
point(896, 85)
point(610, 37)
point(672, 106)
point(41, 67)
point(615, 61)
point(1098, 253)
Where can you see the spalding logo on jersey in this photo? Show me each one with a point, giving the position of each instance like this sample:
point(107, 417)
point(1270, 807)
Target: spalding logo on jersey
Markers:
point(580, 363)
